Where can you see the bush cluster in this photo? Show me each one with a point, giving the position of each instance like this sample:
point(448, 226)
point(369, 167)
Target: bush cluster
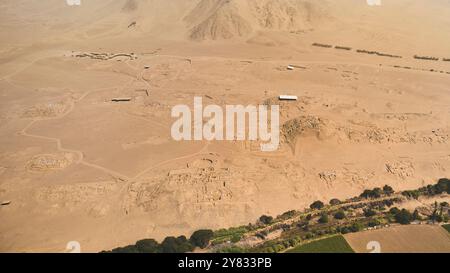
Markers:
point(181, 244)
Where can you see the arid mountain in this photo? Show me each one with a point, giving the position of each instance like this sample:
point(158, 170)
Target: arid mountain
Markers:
point(224, 19)
point(200, 20)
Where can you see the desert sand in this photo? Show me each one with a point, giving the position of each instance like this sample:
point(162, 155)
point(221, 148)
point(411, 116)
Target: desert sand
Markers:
point(77, 166)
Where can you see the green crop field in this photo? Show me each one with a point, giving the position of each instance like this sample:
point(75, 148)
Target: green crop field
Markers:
point(447, 227)
point(335, 244)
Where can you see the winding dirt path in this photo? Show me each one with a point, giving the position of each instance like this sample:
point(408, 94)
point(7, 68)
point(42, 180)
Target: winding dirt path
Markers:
point(80, 155)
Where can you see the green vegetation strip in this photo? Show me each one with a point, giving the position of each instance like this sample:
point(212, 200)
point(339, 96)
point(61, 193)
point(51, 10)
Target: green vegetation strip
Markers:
point(319, 221)
point(335, 244)
point(447, 227)
point(232, 234)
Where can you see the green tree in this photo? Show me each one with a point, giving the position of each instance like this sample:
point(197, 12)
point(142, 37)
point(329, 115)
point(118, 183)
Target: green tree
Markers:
point(266, 219)
point(388, 190)
point(176, 245)
point(370, 213)
point(317, 205)
point(126, 249)
point(356, 227)
point(288, 214)
point(416, 215)
point(394, 211)
point(443, 185)
point(201, 237)
point(366, 194)
point(403, 217)
point(339, 215)
point(374, 223)
point(335, 202)
point(377, 192)
point(323, 218)
point(147, 246)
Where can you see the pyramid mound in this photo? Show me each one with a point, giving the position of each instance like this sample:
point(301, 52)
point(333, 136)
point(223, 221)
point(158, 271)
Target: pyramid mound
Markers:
point(223, 22)
point(130, 6)
point(225, 19)
point(283, 14)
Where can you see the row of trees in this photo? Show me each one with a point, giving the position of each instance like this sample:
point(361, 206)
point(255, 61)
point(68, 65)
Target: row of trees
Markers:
point(429, 58)
point(374, 193)
point(402, 216)
point(170, 244)
point(377, 53)
point(442, 186)
point(377, 192)
point(202, 238)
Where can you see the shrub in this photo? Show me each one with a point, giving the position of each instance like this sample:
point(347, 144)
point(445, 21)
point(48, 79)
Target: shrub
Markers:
point(278, 247)
point(294, 241)
point(388, 190)
point(268, 250)
point(317, 205)
point(232, 249)
point(403, 217)
point(147, 246)
point(443, 185)
point(201, 237)
point(339, 215)
point(414, 194)
point(319, 232)
point(236, 238)
point(416, 215)
point(388, 202)
point(126, 249)
point(369, 213)
point(266, 220)
point(288, 214)
point(435, 217)
point(366, 194)
point(374, 223)
point(344, 230)
point(323, 218)
point(375, 193)
point(394, 211)
point(439, 218)
point(335, 202)
point(356, 227)
point(176, 245)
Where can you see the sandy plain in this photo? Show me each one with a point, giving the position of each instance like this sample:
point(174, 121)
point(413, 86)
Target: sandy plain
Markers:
point(78, 167)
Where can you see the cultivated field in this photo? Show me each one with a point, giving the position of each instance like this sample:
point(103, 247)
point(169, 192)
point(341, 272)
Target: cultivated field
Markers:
point(398, 239)
point(335, 244)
